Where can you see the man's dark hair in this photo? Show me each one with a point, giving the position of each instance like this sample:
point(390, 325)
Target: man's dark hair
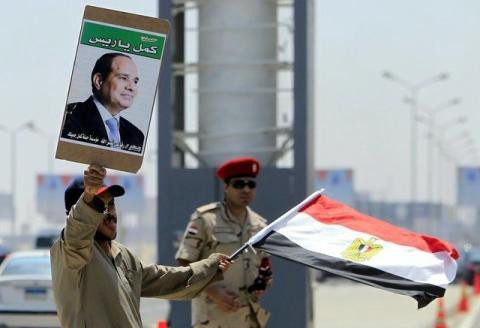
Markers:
point(103, 66)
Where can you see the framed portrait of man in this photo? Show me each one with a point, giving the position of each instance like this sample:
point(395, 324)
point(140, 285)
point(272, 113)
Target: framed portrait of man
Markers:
point(112, 89)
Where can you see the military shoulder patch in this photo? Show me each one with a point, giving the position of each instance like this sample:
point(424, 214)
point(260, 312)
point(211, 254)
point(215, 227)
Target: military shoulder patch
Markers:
point(192, 229)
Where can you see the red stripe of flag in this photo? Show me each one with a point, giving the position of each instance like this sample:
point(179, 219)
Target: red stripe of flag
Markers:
point(329, 211)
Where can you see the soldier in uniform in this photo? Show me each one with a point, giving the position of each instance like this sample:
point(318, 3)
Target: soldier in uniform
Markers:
point(224, 227)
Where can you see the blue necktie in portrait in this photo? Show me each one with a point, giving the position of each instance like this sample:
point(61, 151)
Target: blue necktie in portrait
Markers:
point(112, 125)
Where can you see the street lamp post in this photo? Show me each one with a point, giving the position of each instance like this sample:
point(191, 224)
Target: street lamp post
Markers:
point(13, 168)
point(50, 140)
point(431, 115)
point(414, 90)
point(444, 150)
point(4, 129)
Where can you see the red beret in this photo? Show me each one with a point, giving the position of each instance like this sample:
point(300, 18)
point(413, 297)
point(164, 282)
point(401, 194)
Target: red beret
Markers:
point(237, 167)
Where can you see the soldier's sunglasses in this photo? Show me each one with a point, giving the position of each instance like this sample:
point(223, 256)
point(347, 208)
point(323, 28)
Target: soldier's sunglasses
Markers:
point(240, 184)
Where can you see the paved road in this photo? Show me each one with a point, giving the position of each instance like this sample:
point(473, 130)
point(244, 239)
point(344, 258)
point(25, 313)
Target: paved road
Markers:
point(472, 318)
point(343, 304)
point(340, 303)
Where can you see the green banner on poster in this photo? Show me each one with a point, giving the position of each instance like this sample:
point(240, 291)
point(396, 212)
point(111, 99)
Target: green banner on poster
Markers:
point(131, 41)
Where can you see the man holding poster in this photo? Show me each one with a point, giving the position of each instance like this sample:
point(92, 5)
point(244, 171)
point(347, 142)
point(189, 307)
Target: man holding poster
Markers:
point(98, 282)
point(97, 120)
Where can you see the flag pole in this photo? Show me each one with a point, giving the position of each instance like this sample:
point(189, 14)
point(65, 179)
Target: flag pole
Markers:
point(268, 228)
point(238, 252)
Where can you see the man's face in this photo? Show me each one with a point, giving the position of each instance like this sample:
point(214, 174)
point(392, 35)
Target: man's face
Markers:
point(107, 229)
point(119, 88)
point(240, 191)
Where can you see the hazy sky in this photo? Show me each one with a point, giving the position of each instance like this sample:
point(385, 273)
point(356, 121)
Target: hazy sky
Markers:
point(361, 121)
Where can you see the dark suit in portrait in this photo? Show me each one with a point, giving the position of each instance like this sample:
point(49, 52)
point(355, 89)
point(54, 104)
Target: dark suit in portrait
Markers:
point(84, 123)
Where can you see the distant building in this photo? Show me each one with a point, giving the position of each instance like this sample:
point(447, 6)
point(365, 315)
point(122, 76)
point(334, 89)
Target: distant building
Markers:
point(468, 186)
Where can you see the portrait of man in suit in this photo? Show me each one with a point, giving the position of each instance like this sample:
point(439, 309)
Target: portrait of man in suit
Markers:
point(98, 120)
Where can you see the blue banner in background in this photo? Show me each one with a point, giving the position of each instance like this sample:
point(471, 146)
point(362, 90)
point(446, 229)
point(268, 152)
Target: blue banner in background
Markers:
point(337, 183)
point(51, 188)
point(468, 186)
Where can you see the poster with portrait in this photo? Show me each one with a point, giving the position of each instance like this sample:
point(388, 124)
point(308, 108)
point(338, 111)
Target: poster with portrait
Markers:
point(112, 89)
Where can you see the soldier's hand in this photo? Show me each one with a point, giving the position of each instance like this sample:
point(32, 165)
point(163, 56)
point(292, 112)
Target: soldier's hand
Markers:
point(224, 262)
point(226, 300)
point(93, 180)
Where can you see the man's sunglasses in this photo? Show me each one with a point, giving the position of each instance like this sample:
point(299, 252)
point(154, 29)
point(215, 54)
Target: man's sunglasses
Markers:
point(240, 184)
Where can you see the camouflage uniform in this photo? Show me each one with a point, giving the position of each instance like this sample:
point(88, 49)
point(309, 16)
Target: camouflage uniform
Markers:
point(212, 229)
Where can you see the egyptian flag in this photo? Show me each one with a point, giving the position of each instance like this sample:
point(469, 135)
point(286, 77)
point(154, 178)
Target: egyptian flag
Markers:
point(328, 235)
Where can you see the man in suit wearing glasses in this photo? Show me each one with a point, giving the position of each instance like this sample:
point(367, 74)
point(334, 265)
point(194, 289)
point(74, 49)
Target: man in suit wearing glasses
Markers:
point(224, 227)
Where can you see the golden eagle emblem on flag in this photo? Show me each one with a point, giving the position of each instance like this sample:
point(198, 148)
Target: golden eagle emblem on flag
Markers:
point(361, 250)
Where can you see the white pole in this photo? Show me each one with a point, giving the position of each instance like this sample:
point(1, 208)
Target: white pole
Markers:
point(237, 88)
